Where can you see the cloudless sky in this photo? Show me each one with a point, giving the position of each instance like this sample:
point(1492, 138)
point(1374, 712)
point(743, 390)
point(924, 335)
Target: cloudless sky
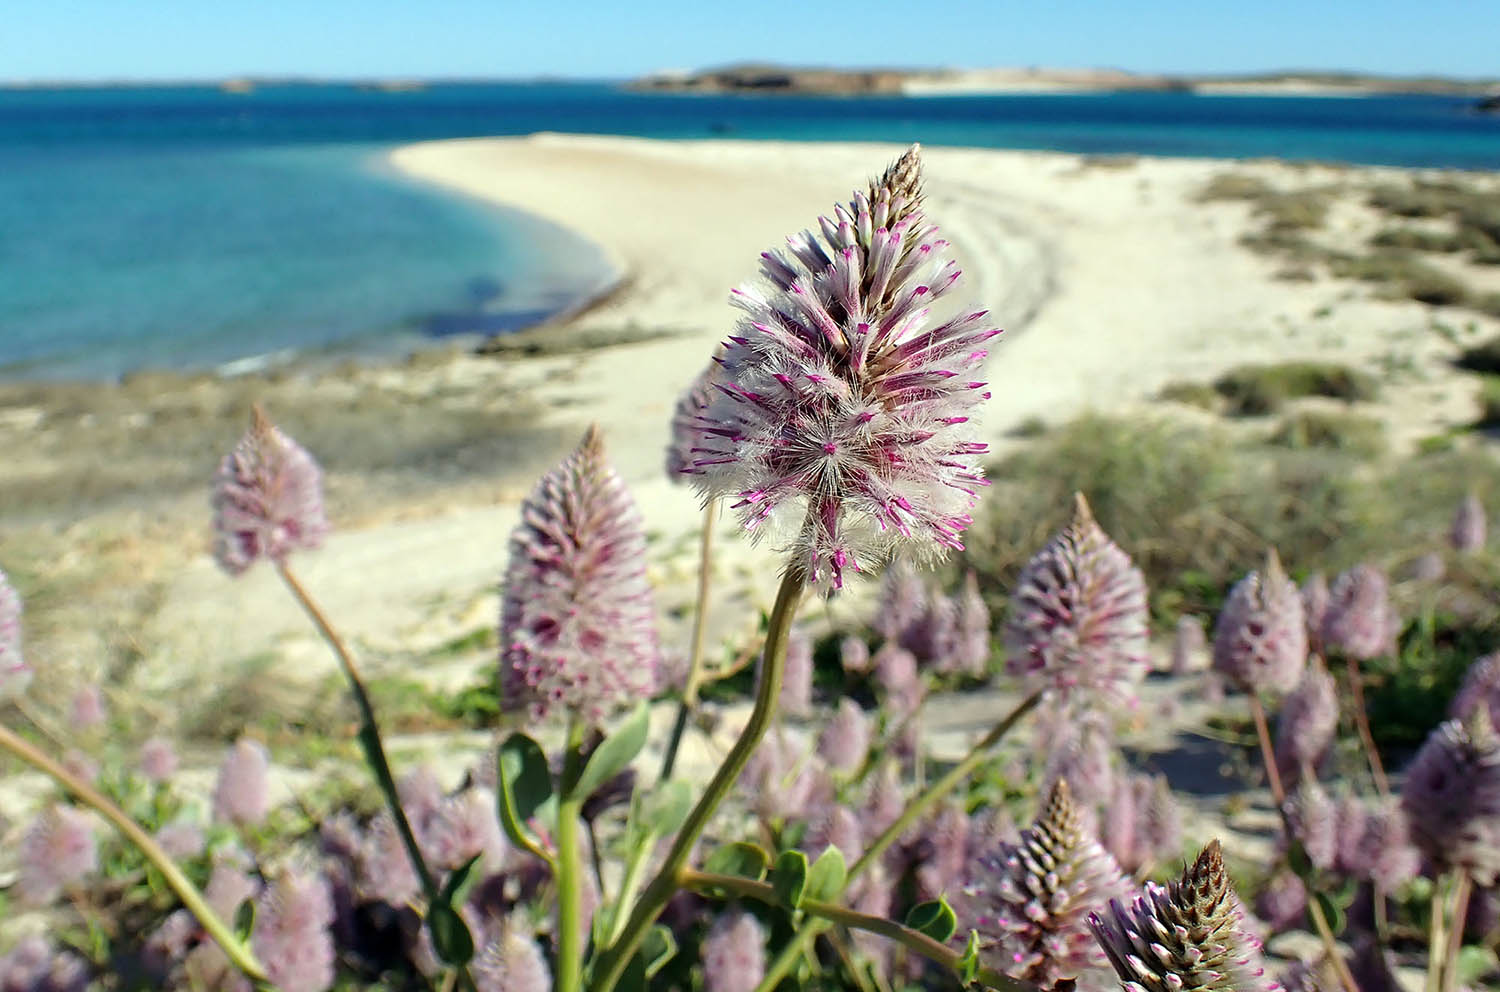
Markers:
point(213, 39)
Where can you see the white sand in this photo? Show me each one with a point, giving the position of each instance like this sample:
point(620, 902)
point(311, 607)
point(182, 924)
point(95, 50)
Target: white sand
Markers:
point(1110, 280)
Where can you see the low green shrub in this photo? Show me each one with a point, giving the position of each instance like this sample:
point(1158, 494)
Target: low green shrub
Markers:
point(1360, 436)
point(1255, 390)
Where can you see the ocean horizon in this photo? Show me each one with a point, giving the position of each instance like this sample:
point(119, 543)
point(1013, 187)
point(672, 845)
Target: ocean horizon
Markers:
point(186, 227)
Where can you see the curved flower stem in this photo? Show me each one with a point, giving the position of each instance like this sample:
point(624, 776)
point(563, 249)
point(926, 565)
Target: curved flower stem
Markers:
point(236, 950)
point(369, 739)
point(611, 963)
point(1278, 795)
point(695, 656)
point(1462, 888)
point(1362, 724)
point(920, 943)
point(810, 928)
point(570, 937)
point(1435, 941)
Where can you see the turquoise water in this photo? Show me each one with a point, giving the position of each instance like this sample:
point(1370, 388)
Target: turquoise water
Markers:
point(190, 228)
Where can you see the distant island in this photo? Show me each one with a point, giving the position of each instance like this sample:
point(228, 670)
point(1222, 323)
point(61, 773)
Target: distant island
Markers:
point(769, 78)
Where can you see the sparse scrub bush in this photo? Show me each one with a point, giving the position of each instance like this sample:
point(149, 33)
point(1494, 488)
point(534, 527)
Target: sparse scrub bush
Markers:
point(1489, 403)
point(1483, 357)
point(1405, 275)
point(1360, 436)
point(1198, 394)
point(1417, 239)
point(1256, 390)
point(830, 848)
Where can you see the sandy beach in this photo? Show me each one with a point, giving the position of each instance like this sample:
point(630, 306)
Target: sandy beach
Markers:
point(1110, 278)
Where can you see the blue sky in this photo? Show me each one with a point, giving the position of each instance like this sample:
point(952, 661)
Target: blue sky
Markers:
point(207, 39)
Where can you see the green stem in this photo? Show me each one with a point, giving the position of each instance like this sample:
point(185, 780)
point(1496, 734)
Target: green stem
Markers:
point(569, 868)
point(810, 928)
point(612, 961)
point(832, 913)
point(1462, 888)
point(1278, 795)
point(369, 739)
point(1435, 942)
point(695, 656)
point(236, 950)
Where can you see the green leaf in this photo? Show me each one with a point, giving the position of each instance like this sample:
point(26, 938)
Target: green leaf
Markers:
point(789, 878)
point(457, 883)
point(525, 787)
point(826, 877)
point(1474, 962)
point(1333, 911)
point(244, 919)
point(936, 919)
point(665, 810)
point(616, 752)
point(658, 948)
point(450, 934)
point(968, 965)
point(739, 859)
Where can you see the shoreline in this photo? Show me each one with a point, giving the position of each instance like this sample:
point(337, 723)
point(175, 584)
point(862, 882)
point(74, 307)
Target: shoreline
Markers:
point(1121, 278)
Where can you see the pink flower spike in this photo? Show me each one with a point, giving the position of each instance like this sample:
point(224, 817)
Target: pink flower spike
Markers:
point(267, 499)
point(577, 624)
point(15, 674)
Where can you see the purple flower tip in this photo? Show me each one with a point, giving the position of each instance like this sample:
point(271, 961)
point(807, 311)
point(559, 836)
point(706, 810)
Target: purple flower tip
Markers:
point(1260, 640)
point(267, 499)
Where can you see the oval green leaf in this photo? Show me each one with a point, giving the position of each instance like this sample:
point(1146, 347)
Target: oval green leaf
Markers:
point(936, 919)
point(616, 752)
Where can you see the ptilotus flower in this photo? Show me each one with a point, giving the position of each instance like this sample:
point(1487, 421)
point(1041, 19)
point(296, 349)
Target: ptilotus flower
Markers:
point(1190, 934)
point(87, 707)
point(1307, 723)
point(242, 793)
point(33, 966)
point(1468, 531)
point(229, 888)
point(734, 953)
point(57, 850)
point(1452, 796)
point(854, 655)
point(896, 674)
point(577, 625)
point(902, 599)
point(1260, 640)
point(972, 654)
point(1078, 615)
point(465, 826)
point(15, 674)
point(797, 678)
point(181, 839)
point(1360, 622)
point(1140, 825)
point(385, 869)
point(1388, 857)
point(845, 742)
point(511, 962)
point(1283, 902)
point(685, 417)
point(1481, 687)
point(836, 825)
point(267, 499)
point(844, 398)
point(291, 933)
point(1313, 819)
point(1080, 750)
point(933, 638)
point(1188, 645)
point(158, 760)
point(1030, 901)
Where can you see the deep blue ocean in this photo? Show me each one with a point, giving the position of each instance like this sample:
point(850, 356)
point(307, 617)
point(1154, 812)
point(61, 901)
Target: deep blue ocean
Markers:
point(188, 227)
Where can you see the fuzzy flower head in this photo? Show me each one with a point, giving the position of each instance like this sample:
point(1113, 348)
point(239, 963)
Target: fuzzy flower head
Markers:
point(845, 741)
point(1468, 531)
point(690, 406)
point(1359, 622)
point(267, 499)
point(56, 851)
point(291, 932)
point(1191, 934)
point(734, 953)
point(158, 760)
point(512, 962)
point(15, 674)
point(242, 793)
point(1188, 644)
point(1308, 721)
point(1078, 615)
point(1260, 640)
point(577, 626)
point(1030, 901)
point(1481, 687)
point(844, 400)
point(1452, 796)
